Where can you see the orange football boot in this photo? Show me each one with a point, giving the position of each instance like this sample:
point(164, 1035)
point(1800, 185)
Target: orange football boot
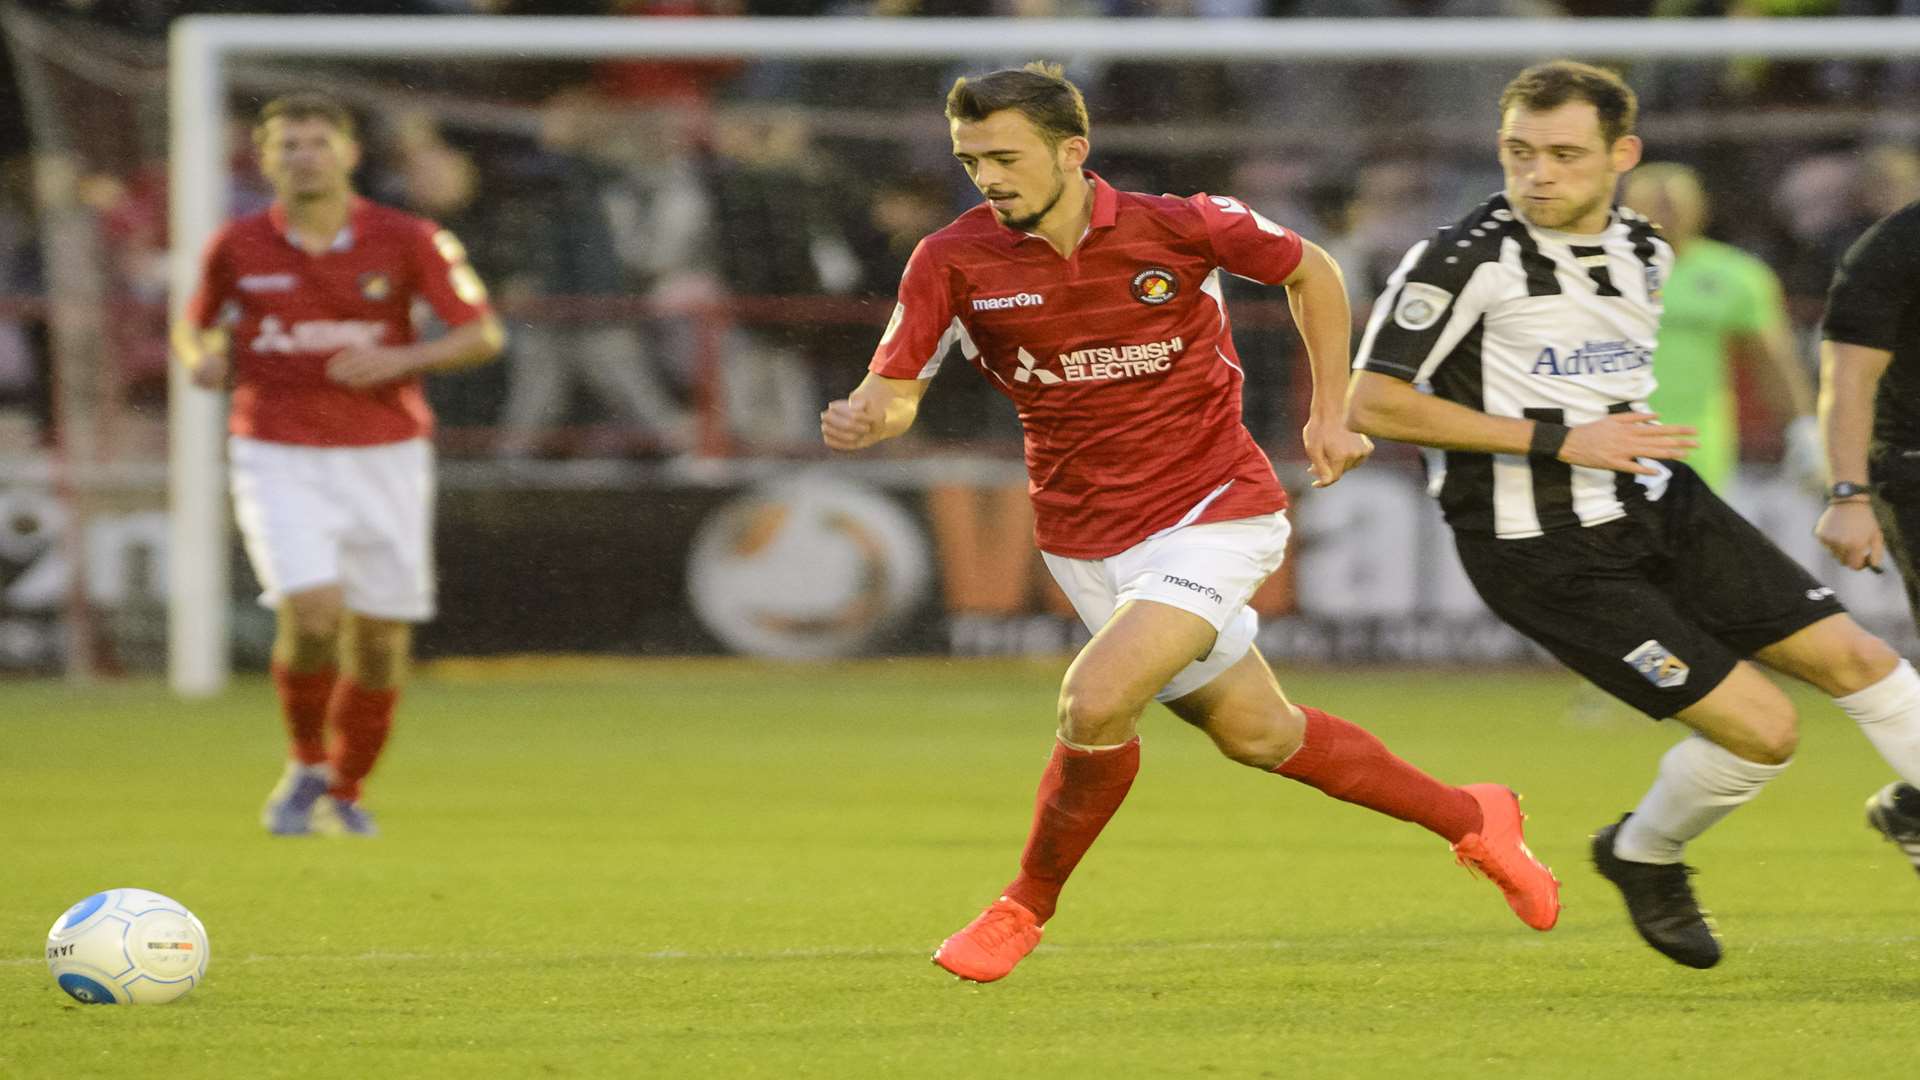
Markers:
point(988, 947)
point(1499, 852)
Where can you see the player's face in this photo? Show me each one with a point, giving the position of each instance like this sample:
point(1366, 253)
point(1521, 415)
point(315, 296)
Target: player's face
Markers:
point(1560, 171)
point(1013, 165)
point(307, 158)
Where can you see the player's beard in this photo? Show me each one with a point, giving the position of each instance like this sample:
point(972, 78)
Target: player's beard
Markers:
point(1026, 224)
point(1573, 212)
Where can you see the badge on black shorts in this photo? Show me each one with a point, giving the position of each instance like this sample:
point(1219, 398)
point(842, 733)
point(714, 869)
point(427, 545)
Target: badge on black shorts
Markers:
point(1155, 286)
point(1660, 667)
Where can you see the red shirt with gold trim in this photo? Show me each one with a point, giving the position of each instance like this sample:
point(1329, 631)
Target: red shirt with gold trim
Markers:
point(1119, 358)
point(287, 311)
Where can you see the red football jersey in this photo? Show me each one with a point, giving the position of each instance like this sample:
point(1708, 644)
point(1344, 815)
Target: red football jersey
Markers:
point(1119, 358)
point(288, 312)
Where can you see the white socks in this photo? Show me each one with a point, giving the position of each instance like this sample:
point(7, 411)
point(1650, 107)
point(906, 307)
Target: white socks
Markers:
point(1888, 712)
point(1699, 783)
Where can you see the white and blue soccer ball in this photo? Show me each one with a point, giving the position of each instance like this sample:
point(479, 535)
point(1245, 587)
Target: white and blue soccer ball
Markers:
point(127, 947)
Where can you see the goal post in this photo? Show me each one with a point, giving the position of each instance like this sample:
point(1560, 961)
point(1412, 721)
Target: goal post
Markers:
point(202, 47)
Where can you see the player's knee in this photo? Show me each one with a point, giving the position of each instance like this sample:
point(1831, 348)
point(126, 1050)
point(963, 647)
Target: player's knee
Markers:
point(1772, 738)
point(1861, 661)
point(1262, 742)
point(313, 618)
point(1096, 716)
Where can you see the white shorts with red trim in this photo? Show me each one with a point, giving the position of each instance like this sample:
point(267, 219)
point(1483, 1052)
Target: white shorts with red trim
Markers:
point(357, 516)
point(1210, 570)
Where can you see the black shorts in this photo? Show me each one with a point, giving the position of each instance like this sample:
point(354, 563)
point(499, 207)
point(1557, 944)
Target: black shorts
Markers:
point(1657, 607)
point(1896, 503)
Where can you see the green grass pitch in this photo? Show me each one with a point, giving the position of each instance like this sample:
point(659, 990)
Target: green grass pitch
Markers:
point(728, 870)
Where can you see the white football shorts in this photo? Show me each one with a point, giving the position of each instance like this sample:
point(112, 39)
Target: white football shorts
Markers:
point(359, 516)
point(1211, 570)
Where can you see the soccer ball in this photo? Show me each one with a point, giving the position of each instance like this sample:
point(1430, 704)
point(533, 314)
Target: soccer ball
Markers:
point(127, 947)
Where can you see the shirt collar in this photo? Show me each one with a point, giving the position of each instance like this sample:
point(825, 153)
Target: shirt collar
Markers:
point(342, 240)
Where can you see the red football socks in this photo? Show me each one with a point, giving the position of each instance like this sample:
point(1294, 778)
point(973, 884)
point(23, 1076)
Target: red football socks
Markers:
point(1347, 762)
point(303, 702)
point(360, 719)
point(1079, 793)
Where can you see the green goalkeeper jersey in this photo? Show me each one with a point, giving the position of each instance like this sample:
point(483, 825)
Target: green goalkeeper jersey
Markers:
point(1715, 291)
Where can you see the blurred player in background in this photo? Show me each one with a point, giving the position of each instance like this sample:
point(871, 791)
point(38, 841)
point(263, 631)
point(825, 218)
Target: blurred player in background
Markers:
point(306, 311)
point(1520, 340)
point(1870, 423)
point(1098, 313)
point(1721, 310)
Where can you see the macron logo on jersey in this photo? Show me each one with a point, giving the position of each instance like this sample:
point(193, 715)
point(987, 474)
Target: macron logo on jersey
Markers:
point(316, 335)
point(1593, 358)
point(1002, 303)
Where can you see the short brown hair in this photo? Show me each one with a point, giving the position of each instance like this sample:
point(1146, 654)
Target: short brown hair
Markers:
point(1040, 92)
point(303, 107)
point(1550, 85)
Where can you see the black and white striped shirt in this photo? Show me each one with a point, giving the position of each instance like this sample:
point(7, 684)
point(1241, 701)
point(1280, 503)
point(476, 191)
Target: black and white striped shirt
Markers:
point(1518, 321)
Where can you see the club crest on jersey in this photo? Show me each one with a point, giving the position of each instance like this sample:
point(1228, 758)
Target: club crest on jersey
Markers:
point(1420, 306)
point(375, 286)
point(1155, 286)
point(1657, 665)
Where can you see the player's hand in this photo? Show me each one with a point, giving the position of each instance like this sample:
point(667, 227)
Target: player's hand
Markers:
point(1618, 440)
point(1333, 449)
point(364, 367)
point(211, 372)
point(852, 423)
point(1851, 532)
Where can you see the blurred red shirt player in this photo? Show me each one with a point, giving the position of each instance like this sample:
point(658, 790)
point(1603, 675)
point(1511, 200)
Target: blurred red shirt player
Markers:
point(306, 310)
point(1098, 312)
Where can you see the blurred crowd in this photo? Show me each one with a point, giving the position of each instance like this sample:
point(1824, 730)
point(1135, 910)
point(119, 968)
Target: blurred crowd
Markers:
point(694, 254)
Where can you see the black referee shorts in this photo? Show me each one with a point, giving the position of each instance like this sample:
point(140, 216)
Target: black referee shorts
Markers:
point(1895, 475)
point(1657, 607)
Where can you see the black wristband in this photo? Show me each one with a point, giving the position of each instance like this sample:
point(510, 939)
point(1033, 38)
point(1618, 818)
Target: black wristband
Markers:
point(1548, 438)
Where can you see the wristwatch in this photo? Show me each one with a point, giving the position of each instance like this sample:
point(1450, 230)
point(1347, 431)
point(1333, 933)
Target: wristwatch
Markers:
point(1846, 489)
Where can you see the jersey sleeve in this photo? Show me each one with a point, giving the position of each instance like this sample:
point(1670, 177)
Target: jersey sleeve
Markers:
point(446, 280)
point(1878, 278)
point(1429, 305)
point(924, 325)
point(1245, 242)
point(215, 286)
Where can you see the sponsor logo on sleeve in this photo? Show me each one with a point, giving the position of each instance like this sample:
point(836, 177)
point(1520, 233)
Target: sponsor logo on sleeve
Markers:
point(1420, 305)
point(1155, 286)
point(1657, 665)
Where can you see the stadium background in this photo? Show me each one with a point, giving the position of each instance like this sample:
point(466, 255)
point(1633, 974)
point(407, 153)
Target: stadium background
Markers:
point(696, 865)
point(722, 238)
